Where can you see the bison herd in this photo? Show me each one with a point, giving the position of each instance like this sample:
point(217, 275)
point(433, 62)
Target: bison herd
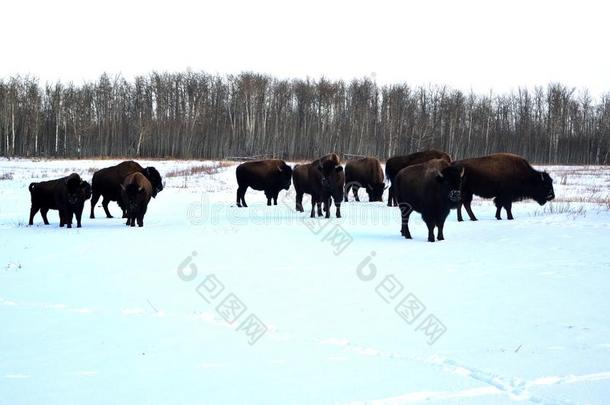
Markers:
point(128, 183)
point(428, 182)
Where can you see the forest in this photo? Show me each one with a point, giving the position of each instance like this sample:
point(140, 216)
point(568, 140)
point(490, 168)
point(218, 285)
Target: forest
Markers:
point(204, 116)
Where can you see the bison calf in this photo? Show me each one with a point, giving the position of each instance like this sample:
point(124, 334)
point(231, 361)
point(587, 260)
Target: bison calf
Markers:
point(397, 163)
point(506, 178)
point(271, 176)
point(67, 195)
point(432, 189)
point(367, 173)
point(136, 191)
point(107, 183)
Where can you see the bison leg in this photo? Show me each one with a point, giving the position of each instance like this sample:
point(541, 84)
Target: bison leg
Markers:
point(355, 192)
point(327, 203)
point(68, 218)
point(498, 203)
point(269, 196)
point(430, 223)
point(241, 194)
point(430, 226)
point(319, 204)
point(105, 203)
point(391, 196)
point(122, 206)
point(241, 191)
point(299, 202)
point(33, 212)
point(467, 200)
point(405, 212)
point(141, 216)
point(313, 206)
point(273, 196)
point(338, 206)
point(440, 224)
point(347, 188)
point(43, 212)
point(79, 215)
point(508, 206)
point(94, 199)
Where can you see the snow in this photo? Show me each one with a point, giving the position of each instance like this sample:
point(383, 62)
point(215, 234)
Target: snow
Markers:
point(107, 313)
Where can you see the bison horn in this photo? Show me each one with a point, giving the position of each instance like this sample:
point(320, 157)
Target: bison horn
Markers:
point(123, 187)
point(386, 187)
point(542, 176)
point(462, 172)
point(140, 188)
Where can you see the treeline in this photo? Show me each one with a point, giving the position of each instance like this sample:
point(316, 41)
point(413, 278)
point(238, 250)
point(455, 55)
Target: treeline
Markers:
point(198, 115)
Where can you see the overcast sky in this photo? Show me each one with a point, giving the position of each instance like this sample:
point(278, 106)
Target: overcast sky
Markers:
point(479, 45)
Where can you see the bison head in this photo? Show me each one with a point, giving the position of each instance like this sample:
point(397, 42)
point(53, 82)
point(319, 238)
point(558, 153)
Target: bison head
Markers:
point(77, 190)
point(375, 191)
point(333, 179)
point(450, 180)
point(85, 188)
point(543, 188)
point(285, 175)
point(155, 180)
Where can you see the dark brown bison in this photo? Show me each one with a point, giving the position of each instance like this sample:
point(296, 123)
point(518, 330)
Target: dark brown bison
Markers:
point(136, 191)
point(506, 178)
point(271, 176)
point(397, 163)
point(324, 180)
point(67, 195)
point(431, 188)
point(367, 173)
point(107, 183)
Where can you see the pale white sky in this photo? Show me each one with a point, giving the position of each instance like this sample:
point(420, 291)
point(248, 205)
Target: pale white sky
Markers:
point(471, 44)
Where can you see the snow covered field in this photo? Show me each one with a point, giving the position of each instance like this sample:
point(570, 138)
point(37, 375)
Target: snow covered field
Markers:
point(209, 303)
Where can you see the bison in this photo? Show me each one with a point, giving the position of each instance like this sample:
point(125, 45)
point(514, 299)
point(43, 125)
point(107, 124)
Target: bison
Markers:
point(107, 183)
point(324, 180)
point(136, 191)
point(397, 163)
point(506, 178)
point(67, 195)
point(367, 173)
point(431, 188)
point(271, 176)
